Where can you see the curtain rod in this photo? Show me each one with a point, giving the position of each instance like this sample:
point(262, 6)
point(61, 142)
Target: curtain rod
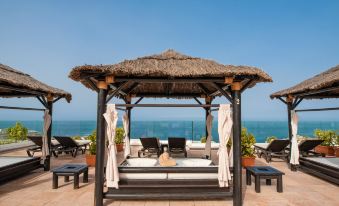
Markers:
point(22, 108)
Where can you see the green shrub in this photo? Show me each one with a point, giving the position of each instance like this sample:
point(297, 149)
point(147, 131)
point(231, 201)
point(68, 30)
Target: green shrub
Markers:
point(17, 132)
point(203, 140)
point(93, 145)
point(270, 139)
point(247, 142)
point(119, 135)
point(329, 136)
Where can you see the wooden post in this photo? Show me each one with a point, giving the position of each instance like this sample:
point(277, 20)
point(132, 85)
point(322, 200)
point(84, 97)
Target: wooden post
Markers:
point(100, 147)
point(289, 101)
point(208, 100)
point(129, 109)
point(47, 163)
point(237, 170)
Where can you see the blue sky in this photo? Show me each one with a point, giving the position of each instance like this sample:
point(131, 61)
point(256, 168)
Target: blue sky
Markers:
point(290, 40)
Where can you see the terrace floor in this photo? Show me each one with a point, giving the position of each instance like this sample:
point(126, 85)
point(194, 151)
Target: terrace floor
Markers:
point(36, 189)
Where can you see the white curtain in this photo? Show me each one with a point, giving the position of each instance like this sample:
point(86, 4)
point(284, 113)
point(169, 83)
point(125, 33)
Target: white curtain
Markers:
point(225, 124)
point(209, 121)
point(230, 155)
point(112, 173)
point(294, 147)
point(47, 124)
point(125, 122)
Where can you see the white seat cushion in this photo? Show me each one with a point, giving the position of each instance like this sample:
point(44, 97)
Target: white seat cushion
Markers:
point(141, 162)
point(143, 176)
point(202, 176)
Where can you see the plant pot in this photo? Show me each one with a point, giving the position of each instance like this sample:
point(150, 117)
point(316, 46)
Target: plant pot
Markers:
point(90, 160)
point(120, 147)
point(247, 161)
point(326, 150)
point(337, 152)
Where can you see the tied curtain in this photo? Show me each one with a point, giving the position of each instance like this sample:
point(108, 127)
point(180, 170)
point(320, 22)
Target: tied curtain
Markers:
point(209, 121)
point(294, 143)
point(112, 173)
point(125, 122)
point(47, 124)
point(225, 124)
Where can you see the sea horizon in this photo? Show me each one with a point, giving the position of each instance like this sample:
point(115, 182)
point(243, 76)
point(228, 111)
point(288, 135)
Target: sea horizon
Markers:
point(191, 130)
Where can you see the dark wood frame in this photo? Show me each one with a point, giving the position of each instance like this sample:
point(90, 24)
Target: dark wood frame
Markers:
point(12, 171)
point(231, 91)
point(323, 171)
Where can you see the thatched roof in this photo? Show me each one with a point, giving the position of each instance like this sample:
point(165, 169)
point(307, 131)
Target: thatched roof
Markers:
point(169, 65)
point(324, 85)
point(14, 83)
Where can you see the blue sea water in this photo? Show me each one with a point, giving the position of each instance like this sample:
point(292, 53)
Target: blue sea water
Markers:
point(189, 129)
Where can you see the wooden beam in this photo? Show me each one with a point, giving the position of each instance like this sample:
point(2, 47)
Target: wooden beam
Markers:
point(297, 102)
point(117, 90)
point(57, 99)
point(203, 88)
point(317, 110)
point(197, 100)
point(225, 88)
point(139, 100)
point(222, 91)
point(22, 108)
point(166, 80)
point(167, 105)
point(157, 95)
point(115, 87)
point(246, 85)
point(317, 92)
point(134, 85)
point(42, 101)
point(281, 99)
point(92, 84)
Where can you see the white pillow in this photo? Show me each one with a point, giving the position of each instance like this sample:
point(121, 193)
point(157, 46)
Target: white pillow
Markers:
point(196, 162)
point(141, 162)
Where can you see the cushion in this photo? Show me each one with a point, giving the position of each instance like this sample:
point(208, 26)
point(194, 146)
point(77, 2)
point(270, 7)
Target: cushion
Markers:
point(143, 176)
point(202, 176)
point(141, 162)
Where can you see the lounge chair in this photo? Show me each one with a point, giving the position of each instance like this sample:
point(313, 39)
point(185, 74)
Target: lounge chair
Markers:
point(151, 146)
point(306, 147)
point(177, 145)
point(37, 140)
point(274, 149)
point(69, 145)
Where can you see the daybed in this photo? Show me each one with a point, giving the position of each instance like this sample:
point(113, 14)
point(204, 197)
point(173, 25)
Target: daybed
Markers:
point(322, 167)
point(11, 167)
point(192, 178)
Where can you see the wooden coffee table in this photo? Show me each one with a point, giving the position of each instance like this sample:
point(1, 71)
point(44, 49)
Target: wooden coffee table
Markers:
point(264, 172)
point(70, 170)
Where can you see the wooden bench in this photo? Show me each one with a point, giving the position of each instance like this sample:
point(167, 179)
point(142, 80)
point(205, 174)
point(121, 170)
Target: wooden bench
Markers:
point(264, 172)
point(70, 170)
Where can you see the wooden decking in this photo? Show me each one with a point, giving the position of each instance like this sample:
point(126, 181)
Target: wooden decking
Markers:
point(36, 189)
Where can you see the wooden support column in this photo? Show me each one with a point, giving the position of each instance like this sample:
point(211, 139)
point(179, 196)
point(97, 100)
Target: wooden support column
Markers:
point(128, 110)
point(237, 170)
point(289, 103)
point(100, 147)
point(208, 100)
point(47, 163)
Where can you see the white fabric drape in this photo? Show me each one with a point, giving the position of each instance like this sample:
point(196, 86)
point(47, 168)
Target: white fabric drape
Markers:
point(294, 147)
point(209, 121)
point(225, 124)
point(47, 124)
point(230, 155)
point(125, 122)
point(112, 173)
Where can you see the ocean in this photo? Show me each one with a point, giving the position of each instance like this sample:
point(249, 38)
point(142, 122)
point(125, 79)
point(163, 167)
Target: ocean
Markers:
point(192, 130)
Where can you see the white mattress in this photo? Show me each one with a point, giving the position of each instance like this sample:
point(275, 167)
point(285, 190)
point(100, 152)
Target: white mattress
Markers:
point(198, 176)
point(4, 161)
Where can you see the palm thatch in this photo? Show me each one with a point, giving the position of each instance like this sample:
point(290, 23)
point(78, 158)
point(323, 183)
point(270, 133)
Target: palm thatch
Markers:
point(14, 83)
point(324, 85)
point(169, 65)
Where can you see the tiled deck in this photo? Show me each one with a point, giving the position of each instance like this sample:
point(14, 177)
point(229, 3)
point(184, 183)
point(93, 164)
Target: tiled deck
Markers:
point(36, 189)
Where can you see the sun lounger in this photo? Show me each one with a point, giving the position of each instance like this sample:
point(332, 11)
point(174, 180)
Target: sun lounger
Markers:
point(151, 146)
point(274, 149)
point(177, 145)
point(37, 140)
point(69, 145)
point(306, 147)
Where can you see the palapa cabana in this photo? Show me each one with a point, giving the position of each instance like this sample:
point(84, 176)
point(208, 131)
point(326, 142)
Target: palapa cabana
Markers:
point(14, 83)
point(170, 75)
point(321, 86)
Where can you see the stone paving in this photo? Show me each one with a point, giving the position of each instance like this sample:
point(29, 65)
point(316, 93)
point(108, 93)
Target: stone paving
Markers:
point(36, 189)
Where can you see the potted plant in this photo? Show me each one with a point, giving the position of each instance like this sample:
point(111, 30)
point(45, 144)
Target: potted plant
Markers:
point(337, 144)
point(247, 150)
point(90, 156)
point(327, 147)
point(119, 139)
